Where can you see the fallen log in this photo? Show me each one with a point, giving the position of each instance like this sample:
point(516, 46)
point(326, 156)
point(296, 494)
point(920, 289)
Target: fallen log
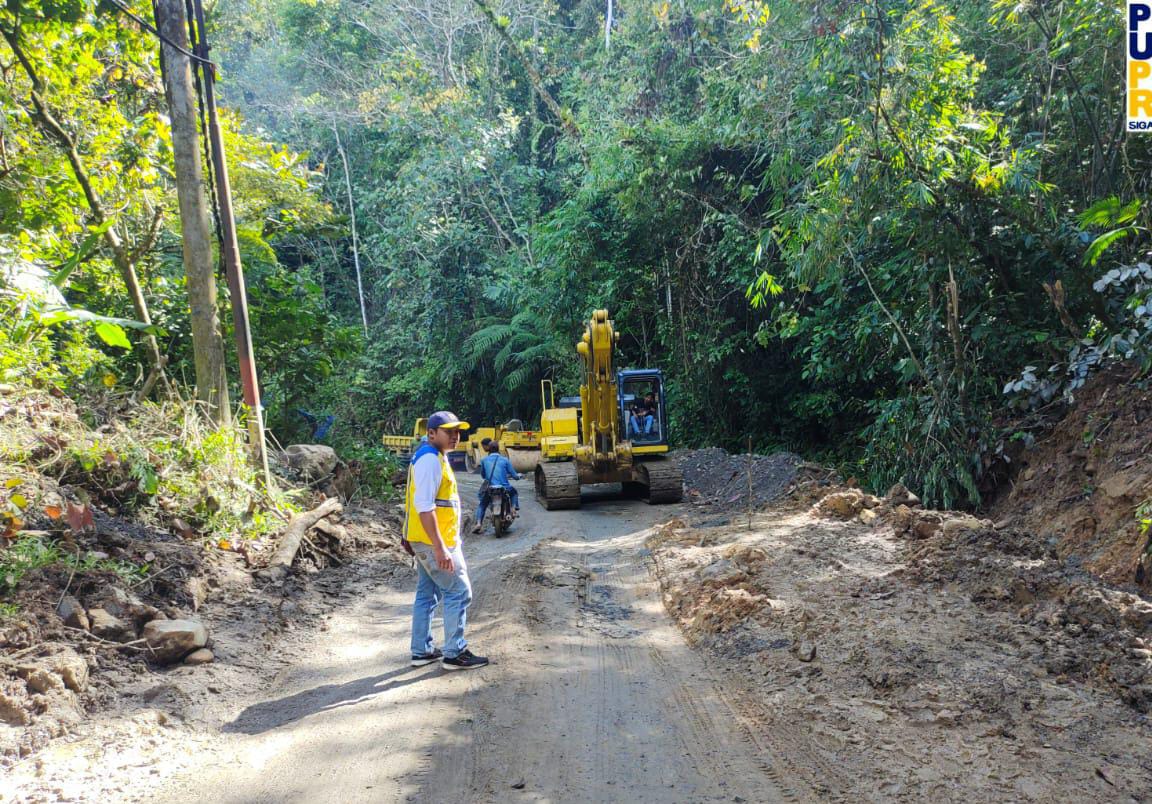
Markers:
point(293, 535)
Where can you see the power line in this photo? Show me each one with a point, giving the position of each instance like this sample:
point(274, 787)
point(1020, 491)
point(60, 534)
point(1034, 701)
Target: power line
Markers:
point(152, 30)
point(196, 39)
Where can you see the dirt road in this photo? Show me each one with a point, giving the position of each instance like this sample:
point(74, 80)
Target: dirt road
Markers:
point(833, 661)
point(592, 695)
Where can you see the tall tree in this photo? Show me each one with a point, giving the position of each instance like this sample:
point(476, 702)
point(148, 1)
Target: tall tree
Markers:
point(207, 342)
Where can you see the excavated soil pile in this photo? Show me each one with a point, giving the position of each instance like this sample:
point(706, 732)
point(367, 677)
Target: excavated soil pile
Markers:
point(712, 476)
point(925, 652)
point(80, 645)
point(1083, 482)
point(1084, 630)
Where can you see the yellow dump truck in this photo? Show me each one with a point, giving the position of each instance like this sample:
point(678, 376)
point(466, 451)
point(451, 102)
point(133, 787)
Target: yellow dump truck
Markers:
point(406, 445)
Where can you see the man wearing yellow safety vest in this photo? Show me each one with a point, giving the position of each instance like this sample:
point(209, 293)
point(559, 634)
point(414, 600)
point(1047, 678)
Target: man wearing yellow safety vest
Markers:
point(432, 528)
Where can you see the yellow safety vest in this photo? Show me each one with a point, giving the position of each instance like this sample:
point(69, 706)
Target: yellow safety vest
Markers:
point(447, 504)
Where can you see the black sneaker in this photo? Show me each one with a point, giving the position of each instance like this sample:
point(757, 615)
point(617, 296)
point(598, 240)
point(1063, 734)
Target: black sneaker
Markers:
point(421, 659)
point(465, 661)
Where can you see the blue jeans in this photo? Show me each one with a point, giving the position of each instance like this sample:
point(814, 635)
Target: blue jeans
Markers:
point(642, 425)
point(486, 500)
point(434, 586)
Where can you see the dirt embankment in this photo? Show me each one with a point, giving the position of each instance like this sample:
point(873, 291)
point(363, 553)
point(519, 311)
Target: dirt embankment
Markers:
point(1084, 479)
point(81, 646)
point(926, 652)
point(115, 602)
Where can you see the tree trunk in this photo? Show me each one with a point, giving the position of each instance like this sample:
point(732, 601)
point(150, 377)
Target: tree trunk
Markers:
point(563, 116)
point(207, 342)
point(294, 534)
point(352, 221)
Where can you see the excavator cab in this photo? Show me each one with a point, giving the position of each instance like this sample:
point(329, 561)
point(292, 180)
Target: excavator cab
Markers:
point(643, 413)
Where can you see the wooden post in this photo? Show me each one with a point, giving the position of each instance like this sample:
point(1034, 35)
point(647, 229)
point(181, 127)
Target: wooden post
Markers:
point(749, 482)
point(230, 250)
point(207, 343)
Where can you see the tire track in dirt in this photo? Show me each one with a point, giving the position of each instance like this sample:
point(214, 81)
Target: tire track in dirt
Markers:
point(593, 695)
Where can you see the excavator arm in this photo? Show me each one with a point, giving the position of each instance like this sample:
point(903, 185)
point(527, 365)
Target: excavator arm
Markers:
point(601, 414)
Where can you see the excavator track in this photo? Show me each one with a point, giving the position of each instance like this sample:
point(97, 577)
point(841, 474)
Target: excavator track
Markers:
point(558, 485)
point(665, 483)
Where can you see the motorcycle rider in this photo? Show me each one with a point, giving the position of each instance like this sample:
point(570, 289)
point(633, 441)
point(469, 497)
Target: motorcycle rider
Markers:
point(495, 469)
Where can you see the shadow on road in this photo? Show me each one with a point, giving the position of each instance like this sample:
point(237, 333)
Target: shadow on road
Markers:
point(268, 715)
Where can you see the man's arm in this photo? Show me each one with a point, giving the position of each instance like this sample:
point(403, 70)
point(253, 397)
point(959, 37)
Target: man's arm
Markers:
point(511, 471)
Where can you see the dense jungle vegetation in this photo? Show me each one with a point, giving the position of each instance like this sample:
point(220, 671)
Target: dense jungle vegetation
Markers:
point(877, 231)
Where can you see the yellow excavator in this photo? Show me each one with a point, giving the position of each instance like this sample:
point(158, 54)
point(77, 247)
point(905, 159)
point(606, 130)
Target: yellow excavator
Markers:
point(616, 431)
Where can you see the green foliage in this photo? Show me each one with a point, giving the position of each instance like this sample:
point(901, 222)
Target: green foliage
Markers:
point(829, 226)
point(377, 466)
point(98, 76)
point(25, 554)
point(28, 553)
point(927, 444)
point(840, 227)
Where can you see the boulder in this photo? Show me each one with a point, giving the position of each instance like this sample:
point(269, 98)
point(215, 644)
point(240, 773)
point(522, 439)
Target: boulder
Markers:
point(903, 519)
point(312, 461)
point(926, 527)
point(954, 526)
point(842, 504)
point(172, 640)
point(73, 614)
point(900, 495)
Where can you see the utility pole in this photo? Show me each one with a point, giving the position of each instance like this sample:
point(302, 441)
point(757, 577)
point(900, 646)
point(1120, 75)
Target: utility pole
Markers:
point(230, 250)
point(199, 268)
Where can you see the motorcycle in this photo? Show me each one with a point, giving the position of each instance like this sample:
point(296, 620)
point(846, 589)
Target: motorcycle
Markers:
point(500, 510)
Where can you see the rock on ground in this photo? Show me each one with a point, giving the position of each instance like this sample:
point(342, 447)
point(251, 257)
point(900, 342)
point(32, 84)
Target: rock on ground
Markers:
point(202, 656)
point(312, 461)
point(73, 614)
point(172, 640)
point(110, 627)
point(124, 606)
